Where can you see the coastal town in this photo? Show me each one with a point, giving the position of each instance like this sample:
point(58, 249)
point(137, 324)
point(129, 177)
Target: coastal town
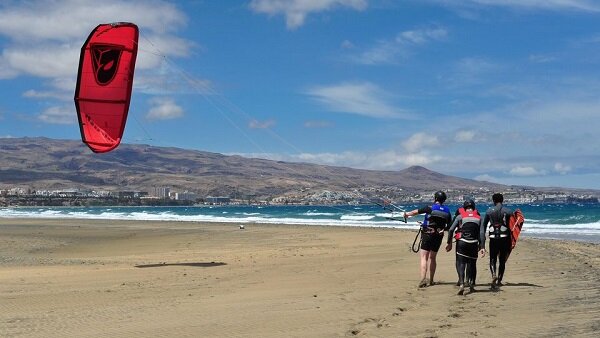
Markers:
point(22, 196)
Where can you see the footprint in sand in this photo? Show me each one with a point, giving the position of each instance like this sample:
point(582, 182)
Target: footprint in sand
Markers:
point(398, 311)
point(368, 323)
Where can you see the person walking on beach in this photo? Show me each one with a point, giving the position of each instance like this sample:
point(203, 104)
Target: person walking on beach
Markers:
point(469, 238)
point(500, 237)
point(437, 219)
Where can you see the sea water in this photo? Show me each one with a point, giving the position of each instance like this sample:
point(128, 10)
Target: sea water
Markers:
point(557, 221)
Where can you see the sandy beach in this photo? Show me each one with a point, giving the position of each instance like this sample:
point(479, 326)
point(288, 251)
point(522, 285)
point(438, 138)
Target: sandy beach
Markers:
point(87, 278)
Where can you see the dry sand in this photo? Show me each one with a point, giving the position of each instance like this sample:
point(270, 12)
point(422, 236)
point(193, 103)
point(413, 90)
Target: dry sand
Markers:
point(83, 278)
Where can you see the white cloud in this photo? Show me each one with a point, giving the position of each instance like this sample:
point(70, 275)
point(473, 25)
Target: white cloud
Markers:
point(421, 36)
point(357, 98)
point(422, 158)
point(486, 177)
point(541, 58)
point(562, 168)
point(388, 51)
point(464, 136)
point(474, 71)
point(59, 95)
point(255, 124)
point(164, 108)
point(295, 11)
point(388, 159)
point(42, 60)
point(59, 115)
point(347, 44)
point(526, 171)
point(581, 5)
point(42, 41)
point(47, 20)
point(420, 141)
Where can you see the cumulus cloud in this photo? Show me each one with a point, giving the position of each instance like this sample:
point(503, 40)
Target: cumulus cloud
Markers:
point(255, 124)
point(464, 136)
point(525, 171)
point(562, 168)
point(486, 177)
point(59, 95)
point(375, 160)
point(389, 50)
point(420, 141)
point(295, 11)
point(43, 42)
point(421, 158)
point(364, 99)
point(347, 44)
point(164, 108)
point(46, 20)
point(59, 115)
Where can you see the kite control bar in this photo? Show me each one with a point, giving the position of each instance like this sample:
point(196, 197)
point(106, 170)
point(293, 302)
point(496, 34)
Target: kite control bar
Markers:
point(389, 206)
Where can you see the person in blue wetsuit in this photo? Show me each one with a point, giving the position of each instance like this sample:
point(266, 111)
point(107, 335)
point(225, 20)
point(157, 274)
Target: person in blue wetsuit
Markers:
point(500, 238)
point(437, 219)
point(469, 238)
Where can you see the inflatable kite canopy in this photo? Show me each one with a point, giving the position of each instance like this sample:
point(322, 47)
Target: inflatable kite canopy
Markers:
point(104, 83)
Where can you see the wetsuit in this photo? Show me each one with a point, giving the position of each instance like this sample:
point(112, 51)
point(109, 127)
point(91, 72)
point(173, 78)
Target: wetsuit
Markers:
point(469, 239)
point(437, 219)
point(500, 238)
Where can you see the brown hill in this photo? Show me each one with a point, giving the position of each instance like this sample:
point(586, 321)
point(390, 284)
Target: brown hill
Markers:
point(42, 163)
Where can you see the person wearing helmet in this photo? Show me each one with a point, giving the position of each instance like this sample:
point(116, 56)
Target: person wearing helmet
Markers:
point(437, 219)
point(500, 237)
point(469, 238)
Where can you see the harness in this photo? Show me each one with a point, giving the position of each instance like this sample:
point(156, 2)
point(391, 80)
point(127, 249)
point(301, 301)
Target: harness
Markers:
point(468, 229)
point(435, 222)
point(498, 227)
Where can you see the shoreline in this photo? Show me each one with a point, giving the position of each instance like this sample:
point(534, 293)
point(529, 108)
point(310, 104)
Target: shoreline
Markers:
point(140, 278)
point(583, 238)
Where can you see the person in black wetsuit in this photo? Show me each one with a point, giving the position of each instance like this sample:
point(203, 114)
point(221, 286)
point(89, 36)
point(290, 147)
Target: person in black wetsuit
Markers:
point(500, 238)
point(437, 219)
point(469, 238)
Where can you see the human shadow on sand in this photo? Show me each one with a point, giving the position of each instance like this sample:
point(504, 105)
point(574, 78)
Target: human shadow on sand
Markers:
point(488, 287)
point(522, 284)
point(197, 264)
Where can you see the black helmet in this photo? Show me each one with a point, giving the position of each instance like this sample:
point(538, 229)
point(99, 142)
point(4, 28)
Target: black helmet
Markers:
point(439, 196)
point(469, 204)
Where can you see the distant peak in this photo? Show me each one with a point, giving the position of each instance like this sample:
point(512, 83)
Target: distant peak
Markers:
point(416, 168)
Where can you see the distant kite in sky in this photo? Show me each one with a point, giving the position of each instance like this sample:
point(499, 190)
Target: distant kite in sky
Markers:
point(104, 83)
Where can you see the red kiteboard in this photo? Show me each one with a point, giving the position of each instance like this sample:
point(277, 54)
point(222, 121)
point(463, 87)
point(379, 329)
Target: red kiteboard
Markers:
point(515, 224)
point(104, 83)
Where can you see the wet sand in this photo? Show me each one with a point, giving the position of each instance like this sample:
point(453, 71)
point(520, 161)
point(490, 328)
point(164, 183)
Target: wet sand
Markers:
point(87, 278)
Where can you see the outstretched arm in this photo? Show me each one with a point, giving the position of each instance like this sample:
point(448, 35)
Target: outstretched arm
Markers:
point(411, 213)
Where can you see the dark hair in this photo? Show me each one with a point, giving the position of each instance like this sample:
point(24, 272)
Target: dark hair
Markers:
point(497, 198)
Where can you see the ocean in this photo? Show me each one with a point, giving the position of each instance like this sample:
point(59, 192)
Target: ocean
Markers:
point(555, 221)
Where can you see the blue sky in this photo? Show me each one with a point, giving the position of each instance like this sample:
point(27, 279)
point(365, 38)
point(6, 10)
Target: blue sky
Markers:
point(500, 90)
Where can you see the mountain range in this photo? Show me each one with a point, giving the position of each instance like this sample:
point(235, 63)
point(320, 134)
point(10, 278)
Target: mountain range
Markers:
point(50, 164)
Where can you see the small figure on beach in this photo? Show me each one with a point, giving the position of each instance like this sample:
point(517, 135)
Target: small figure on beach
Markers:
point(437, 219)
point(470, 238)
point(500, 238)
